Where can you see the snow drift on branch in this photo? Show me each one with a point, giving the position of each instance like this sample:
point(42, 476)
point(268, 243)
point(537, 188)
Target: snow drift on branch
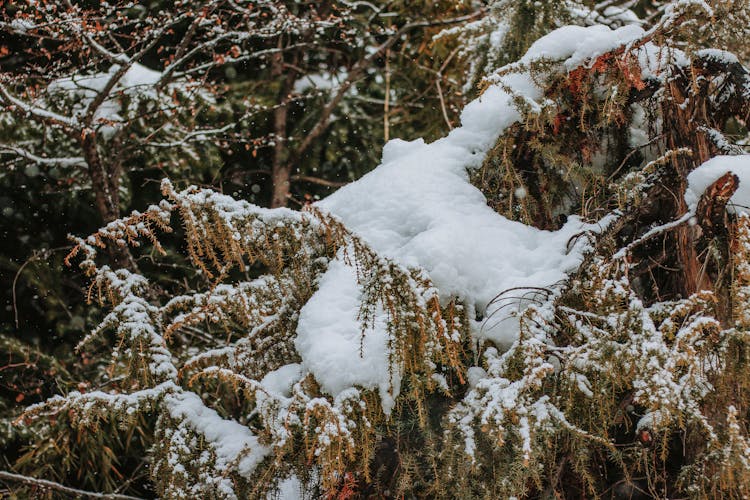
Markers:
point(419, 208)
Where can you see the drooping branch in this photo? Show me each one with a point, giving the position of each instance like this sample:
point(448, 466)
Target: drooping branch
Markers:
point(73, 161)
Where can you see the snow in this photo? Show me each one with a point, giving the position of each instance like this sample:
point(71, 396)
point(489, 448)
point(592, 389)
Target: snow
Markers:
point(622, 15)
point(128, 403)
point(401, 208)
point(474, 374)
point(419, 209)
point(332, 344)
point(717, 55)
point(229, 439)
point(37, 111)
point(320, 81)
point(576, 44)
point(138, 83)
point(137, 75)
point(280, 381)
point(290, 488)
point(84, 89)
point(702, 177)
point(22, 25)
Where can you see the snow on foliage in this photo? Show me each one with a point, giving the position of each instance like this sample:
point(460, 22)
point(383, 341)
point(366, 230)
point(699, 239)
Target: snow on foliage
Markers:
point(401, 210)
point(418, 209)
point(374, 295)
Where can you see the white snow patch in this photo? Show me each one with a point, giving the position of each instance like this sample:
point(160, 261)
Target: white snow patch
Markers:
point(280, 381)
point(621, 15)
point(702, 177)
point(320, 81)
point(718, 55)
point(22, 25)
point(138, 84)
point(576, 44)
point(229, 439)
point(288, 489)
point(331, 344)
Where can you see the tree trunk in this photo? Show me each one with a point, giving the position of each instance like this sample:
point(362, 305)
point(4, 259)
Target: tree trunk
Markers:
point(281, 171)
point(106, 185)
point(683, 133)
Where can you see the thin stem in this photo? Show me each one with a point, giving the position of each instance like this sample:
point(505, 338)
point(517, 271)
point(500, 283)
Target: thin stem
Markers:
point(43, 483)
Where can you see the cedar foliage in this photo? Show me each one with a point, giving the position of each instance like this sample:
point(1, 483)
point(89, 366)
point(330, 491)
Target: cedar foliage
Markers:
point(630, 380)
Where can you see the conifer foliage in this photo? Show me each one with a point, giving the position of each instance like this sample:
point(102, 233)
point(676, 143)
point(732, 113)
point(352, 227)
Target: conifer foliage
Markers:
point(340, 350)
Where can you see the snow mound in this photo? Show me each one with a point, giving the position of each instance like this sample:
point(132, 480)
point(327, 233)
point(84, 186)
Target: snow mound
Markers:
point(419, 209)
point(702, 177)
point(330, 338)
point(576, 44)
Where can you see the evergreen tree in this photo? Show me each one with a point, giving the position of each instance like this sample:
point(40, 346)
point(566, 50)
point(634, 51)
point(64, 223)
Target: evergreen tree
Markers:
point(585, 335)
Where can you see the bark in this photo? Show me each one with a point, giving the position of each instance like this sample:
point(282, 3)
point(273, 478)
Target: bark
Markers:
point(716, 228)
point(683, 133)
point(281, 171)
point(106, 184)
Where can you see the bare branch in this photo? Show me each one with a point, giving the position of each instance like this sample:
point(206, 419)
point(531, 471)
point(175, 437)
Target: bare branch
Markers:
point(73, 161)
point(359, 69)
point(194, 136)
point(232, 60)
point(43, 483)
point(102, 96)
point(236, 35)
point(45, 115)
point(317, 180)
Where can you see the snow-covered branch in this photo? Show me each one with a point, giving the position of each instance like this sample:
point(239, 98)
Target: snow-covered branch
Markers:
point(76, 161)
point(43, 114)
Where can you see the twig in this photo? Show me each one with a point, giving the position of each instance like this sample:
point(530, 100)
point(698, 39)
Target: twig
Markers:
point(442, 104)
point(440, 89)
point(387, 103)
point(623, 252)
point(73, 161)
point(359, 69)
point(43, 483)
point(318, 180)
point(23, 108)
point(15, 280)
point(34, 256)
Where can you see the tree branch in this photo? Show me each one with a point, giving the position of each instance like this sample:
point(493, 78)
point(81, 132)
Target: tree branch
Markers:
point(73, 161)
point(104, 94)
point(318, 180)
point(23, 108)
point(359, 68)
point(43, 483)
